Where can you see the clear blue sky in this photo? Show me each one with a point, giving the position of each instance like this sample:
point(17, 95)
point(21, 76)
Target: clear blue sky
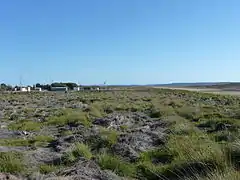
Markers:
point(120, 41)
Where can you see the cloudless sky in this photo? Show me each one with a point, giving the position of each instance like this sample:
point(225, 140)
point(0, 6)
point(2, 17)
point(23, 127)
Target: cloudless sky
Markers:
point(119, 41)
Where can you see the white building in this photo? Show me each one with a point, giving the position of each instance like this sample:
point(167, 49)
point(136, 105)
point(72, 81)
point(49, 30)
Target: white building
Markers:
point(38, 89)
point(25, 89)
point(76, 88)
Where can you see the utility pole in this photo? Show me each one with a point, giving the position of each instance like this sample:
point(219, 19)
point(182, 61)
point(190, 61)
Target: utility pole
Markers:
point(20, 81)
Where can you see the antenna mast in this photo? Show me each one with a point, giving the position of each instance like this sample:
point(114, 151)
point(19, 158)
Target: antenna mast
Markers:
point(20, 81)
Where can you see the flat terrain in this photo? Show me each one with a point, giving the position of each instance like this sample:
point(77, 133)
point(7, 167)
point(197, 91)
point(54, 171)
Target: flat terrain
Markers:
point(137, 133)
point(206, 90)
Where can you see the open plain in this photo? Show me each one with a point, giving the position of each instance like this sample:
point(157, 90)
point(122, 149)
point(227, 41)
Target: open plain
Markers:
point(140, 133)
point(205, 90)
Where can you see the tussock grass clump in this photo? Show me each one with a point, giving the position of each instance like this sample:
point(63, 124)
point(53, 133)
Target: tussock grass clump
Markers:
point(108, 108)
point(233, 152)
point(189, 113)
point(78, 150)
point(105, 139)
point(156, 156)
point(70, 118)
point(36, 141)
point(46, 168)
point(122, 107)
point(175, 103)
point(109, 135)
point(66, 133)
point(228, 174)
point(155, 113)
point(225, 136)
point(195, 147)
point(41, 140)
point(25, 125)
point(95, 111)
point(193, 154)
point(150, 171)
point(184, 155)
point(157, 110)
point(183, 126)
point(14, 142)
point(117, 165)
point(82, 150)
point(123, 127)
point(11, 162)
point(219, 124)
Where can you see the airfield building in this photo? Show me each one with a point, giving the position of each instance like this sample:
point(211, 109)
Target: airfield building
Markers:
point(58, 88)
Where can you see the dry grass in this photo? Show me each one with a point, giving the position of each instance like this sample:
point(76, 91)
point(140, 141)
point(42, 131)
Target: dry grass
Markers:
point(202, 144)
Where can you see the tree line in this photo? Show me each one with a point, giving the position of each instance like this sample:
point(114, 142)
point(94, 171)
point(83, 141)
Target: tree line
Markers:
point(69, 85)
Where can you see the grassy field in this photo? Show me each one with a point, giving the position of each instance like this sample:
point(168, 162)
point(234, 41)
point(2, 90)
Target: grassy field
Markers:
point(142, 133)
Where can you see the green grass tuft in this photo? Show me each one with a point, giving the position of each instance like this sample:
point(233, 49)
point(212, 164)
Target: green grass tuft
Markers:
point(109, 135)
point(11, 162)
point(35, 141)
point(117, 165)
point(233, 152)
point(45, 168)
point(83, 150)
point(25, 125)
point(66, 133)
point(71, 118)
point(78, 150)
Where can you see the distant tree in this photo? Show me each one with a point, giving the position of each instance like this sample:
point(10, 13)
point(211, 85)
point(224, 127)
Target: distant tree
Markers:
point(9, 87)
point(46, 87)
point(4, 87)
point(58, 84)
point(70, 85)
point(43, 86)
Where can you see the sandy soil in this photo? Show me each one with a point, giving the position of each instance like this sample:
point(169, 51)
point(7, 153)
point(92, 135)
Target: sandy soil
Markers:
point(215, 91)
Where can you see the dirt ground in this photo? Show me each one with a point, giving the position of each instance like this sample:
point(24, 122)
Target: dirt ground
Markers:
point(215, 91)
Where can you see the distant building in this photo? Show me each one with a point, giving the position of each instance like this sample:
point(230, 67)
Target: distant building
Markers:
point(78, 88)
point(58, 88)
point(23, 89)
point(38, 89)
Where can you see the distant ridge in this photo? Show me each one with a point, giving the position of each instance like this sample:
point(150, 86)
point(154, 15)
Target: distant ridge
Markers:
point(225, 86)
point(202, 84)
point(189, 84)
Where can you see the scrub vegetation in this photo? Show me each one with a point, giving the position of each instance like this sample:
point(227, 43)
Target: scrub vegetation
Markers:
point(136, 133)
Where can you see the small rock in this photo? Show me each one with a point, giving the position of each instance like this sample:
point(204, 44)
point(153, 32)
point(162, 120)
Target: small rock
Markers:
point(6, 176)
